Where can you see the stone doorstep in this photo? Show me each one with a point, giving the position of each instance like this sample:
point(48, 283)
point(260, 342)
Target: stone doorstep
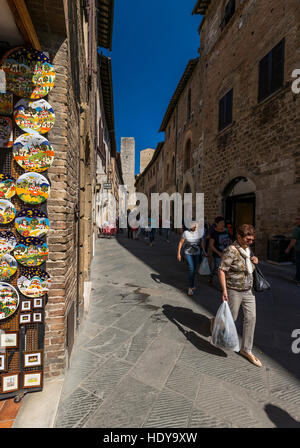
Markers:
point(39, 409)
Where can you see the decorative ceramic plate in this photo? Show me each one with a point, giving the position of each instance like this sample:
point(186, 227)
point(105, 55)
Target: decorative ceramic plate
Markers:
point(32, 222)
point(6, 134)
point(6, 103)
point(9, 300)
point(7, 211)
point(31, 251)
point(35, 116)
point(8, 242)
point(7, 186)
point(32, 188)
point(29, 73)
point(33, 152)
point(34, 282)
point(8, 266)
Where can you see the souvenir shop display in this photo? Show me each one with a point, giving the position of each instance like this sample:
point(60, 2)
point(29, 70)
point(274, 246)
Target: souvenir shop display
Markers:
point(33, 152)
point(32, 188)
point(6, 104)
point(7, 211)
point(8, 241)
point(9, 302)
point(31, 251)
point(6, 132)
point(34, 282)
point(34, 116)
point(7, 186)
point(32, 222)
point(8, 266)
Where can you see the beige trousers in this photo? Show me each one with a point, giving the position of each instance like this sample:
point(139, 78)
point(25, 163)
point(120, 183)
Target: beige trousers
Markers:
point(247, 300)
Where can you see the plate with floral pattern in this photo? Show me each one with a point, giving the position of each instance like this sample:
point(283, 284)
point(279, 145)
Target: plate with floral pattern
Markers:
point(8, 266)
point(32, 222)
point(8, 241)
point(9, 300)
point(7, 211)
point(7, 186)
point(33, 152)
point(31, 251)
point(34, 282)
point(37, 116)
point(32, 188)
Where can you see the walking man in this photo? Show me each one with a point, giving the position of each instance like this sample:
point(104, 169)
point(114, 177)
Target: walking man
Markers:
point(295, 242)
point(219, 241)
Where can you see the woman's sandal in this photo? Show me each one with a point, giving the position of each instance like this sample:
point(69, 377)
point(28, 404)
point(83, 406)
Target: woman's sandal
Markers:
point(251, 358)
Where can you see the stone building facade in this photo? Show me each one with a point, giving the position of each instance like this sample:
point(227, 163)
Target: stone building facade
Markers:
point(230, 127)
point(128, 167)
point(145, 157)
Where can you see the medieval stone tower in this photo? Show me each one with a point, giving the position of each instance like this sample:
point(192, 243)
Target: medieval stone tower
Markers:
point(128, 164)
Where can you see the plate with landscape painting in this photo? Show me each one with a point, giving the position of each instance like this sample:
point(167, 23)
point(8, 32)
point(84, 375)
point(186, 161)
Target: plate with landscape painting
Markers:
point(29, 73)
point(8, 266)
point(9, 300)
point(7, 186)
point(32, 188)
point(34, 282)
point(8, 241)
point(32, 222)
point(6, 132)
point(6, 103)
point(37, 116)
point(7, 211)
point(33, 152)
point(31, 251)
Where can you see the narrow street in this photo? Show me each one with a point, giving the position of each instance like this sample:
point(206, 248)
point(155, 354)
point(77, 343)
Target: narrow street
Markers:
point(143, 356)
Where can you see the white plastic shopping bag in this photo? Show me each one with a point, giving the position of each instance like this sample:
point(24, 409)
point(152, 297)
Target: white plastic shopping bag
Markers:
point(204, 268)
point(224, 331)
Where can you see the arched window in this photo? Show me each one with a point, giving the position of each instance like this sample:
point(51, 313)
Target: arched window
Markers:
point(188, 155)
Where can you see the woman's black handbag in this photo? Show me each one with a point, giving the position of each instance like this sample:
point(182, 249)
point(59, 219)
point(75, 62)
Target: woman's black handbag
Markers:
point(260, 284)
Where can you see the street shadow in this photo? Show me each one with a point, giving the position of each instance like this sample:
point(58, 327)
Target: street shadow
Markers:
point(281, 418)
point(197, 322)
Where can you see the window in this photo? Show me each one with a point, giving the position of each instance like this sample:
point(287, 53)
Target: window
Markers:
point(189, 104)
point(228, 12)
point(225, 110)
point(187, 155)
point(271, 72)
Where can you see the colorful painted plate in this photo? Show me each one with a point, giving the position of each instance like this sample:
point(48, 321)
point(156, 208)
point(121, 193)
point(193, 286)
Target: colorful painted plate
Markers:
point(32, 222)
point(7, 211)
point(9, 300)
point(31, 251)
point(7, 186)
point(8, 242)
point(35, 116)
point(8, 266)
point(34, 282)
point(6, 103)
point(33, 152)
point(6, 133)
point(32, 188)
point(29, 73)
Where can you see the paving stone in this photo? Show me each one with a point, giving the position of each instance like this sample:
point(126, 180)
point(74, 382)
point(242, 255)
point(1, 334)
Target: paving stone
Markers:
point(171, 410)
point(75, 408)
point(107, 317)
point(134, 319)
point(126, 407)
point(285, 387)
point(184, 380)
point(108, 341)
point(104, 380)
point(201, 419)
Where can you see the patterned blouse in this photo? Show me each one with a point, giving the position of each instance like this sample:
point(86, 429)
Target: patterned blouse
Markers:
point(234, 266)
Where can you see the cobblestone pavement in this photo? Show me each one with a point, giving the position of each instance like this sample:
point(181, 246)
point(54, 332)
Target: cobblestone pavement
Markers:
point(143, 356)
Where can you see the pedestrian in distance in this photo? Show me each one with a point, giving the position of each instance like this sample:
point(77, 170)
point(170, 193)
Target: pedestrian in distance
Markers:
point(218, 242)
point(191, 239)
point(236, 278)
point(295, 243)
point(152, 226)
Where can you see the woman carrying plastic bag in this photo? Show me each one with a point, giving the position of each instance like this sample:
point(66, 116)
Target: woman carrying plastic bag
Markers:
point(224, 333)
point(204, 268)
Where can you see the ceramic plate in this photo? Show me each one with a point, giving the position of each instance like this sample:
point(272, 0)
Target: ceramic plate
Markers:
point(7, 211)
point(8, 266)
point(7, 186)
point(34, 282)
point(33, 152)
point(31, 251)
point(32, 222)
point(32, 188)
point(6, 103)
point(35, 116)
point(9, 300)
point(6, 134)
point(29, 73)
point(8, 242)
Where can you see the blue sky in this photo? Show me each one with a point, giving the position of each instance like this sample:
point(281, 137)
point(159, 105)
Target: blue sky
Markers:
point(152, 44)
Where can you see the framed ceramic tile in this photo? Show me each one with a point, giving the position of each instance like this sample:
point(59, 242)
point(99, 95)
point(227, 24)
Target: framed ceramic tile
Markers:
point(33, 188)
point(34, 282)
point(7, 211)
point(9, 339)
point(37, 317)
point(3, 362)
point(8, 242)
point(9, 301)
point(32, 358)
point(32, 379)
point(6, 132)
point(29, 72)
point(25, 318)
point(32, 222)
point(8, 266)
point(37, 116)
point(38, 303)
point(6, 103)
point(9, 382)
point(31, 251)
point(25, 306)
point(33, 152)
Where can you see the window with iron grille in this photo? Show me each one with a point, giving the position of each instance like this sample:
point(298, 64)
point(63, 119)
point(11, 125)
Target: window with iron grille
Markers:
point(271, 72)
point(225, 110)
